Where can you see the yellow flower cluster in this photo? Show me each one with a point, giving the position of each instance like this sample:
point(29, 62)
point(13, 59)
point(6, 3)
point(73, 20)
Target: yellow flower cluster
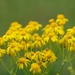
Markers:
point(68, 40)
point(54, 29)
point(29, 48)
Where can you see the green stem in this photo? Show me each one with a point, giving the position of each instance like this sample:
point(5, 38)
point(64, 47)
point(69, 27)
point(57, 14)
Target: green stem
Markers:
point(12, 66)
point(25, 72)
point(53, 68)
point(60, 73)
point(16, 70)
point(71, 58)
point(4, 65)
point(71, 70)
point(63, 54)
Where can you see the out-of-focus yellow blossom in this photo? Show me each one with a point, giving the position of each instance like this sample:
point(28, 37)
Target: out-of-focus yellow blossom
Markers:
point(69, 38)
point(68, 41)
point(42, 63)
point(72, 47)
point(15, 26)
point(51, 20)
point(13, 47)
point(9, 35)
point(26, 45)
point(2, 52)
point(12, 31)
point(23, 45)
point(46, 29)
point(22, 62)
point(35, 68)
point(61, 20)
point(62, 42)
point(28, 29)
point(37, 56)
point(32, 26)
point(23, 36)
point(57, 29)
point(30, 45)
point(50, 37)
point(53, 28)
point(29, 55)
point(35, 36)
point(72, 31)
point(39, 42)
point(1, 41)
point(49, 55)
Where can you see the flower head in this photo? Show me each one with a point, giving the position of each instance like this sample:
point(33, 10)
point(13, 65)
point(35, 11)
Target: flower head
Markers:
point(2, 52)
point(35, 68)
point(22, 62)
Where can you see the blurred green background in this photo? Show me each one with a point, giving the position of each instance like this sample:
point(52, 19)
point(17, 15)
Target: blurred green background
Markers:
point(38, 10)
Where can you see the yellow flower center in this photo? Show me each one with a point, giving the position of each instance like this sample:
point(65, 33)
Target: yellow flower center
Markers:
point(60, 16)
point(51, 20)
point(23, 43)
point(69, 36)
point(14, 24)
point(35, 66)
point(23, 33)
point(32, 53)
point(50, 35)
point(38, 52)
point(22, 60)
point(39, 39)
point(48, 54)
point(54, 25)
point(36, 35)
point(13, 45)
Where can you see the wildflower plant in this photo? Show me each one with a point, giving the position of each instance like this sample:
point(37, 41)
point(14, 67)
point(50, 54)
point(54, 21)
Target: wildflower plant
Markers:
point(34, 52)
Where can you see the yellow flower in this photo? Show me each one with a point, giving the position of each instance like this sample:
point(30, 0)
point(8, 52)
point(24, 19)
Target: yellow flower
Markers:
point(23, 45)
point(51, 20)
point(50, 37)
point(22, 35)
point(15, 26)
point(32, 26)
point(42, 63)
point(71, 30)
point(56, 29)
point(53, 28)
point(9, 35)
point(12, 32)
point(45, 38)
point(47, 29)
point(29, 29)
point(35, 36)
point(60, 16)
point(29, 55)
point(37, 56)
point(68, 41)
point(1, 41)
point(61, 20)
point(49, 56)
point(2, 52)
point(22, 62)
point(53, 37)
point(13, 47)
point(35, 68)
point(39, 42)
point(35, 25)
point(72, 47)
point(30, 45)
